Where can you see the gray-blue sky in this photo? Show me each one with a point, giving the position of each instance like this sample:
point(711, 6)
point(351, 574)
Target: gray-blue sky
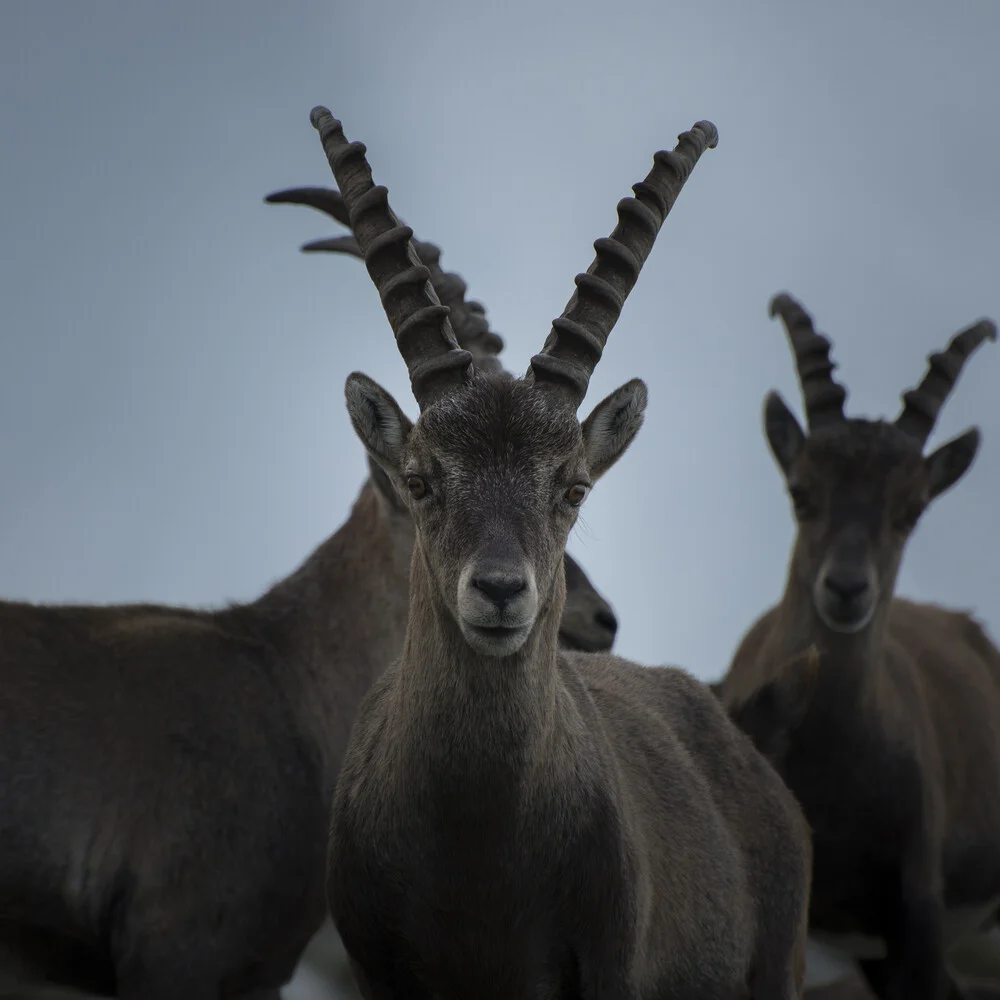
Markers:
point(171, 381)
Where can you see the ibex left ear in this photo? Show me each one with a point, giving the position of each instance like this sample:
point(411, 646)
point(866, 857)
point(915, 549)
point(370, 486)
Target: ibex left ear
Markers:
point(612, 425)
point(378, 420)
point(947, 464)
point(784, 434)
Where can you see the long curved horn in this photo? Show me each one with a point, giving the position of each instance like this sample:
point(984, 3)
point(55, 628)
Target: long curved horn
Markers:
point(468, 317)
point(577, 338)
point(922, 405)
point(822, 395)
point(424, 336)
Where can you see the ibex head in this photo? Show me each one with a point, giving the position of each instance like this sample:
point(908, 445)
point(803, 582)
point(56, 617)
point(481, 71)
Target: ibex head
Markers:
point(858, 487)
point(495, 468)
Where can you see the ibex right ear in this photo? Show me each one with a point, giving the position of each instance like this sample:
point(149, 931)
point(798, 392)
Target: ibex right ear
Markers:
point(612, 425)
point(382, 426)
point(784, 434)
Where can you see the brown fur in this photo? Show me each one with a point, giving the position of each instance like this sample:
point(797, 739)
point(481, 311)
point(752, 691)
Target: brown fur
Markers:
point(893, 747)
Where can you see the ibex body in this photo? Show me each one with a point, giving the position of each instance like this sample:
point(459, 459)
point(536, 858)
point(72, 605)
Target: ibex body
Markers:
point(512, 821)
point(166, 774)
point(891, 741)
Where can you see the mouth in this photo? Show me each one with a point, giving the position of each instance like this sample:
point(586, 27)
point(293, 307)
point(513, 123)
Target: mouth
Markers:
point(496, 631)
point(495, 640)
point(846, 620)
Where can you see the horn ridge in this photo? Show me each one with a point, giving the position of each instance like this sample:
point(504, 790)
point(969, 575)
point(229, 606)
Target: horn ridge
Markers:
point(419, 321)
point(577, 338)
point(822, 395)
point(922, 405)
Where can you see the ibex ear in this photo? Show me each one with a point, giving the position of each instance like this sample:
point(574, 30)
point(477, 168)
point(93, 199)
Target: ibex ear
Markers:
point(951, 461)
point(382, 426)
point(784, 435)
point(612, 424)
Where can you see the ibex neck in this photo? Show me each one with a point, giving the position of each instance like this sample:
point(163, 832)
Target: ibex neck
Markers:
point(338, 621)
point(468, 710)
point(848, 661)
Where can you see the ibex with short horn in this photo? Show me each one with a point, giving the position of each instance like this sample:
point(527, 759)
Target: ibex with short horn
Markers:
point(892, 745)
point(166, 773)
point(512, 821)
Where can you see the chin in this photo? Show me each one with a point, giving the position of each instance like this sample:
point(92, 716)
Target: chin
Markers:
point(497, 641)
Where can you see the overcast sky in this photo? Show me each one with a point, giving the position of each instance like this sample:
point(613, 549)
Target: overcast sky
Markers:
point(172, 368)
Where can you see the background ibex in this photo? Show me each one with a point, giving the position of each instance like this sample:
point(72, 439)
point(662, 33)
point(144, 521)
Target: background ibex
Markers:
point(166, 773)
point(511, 821)
point(892, 741)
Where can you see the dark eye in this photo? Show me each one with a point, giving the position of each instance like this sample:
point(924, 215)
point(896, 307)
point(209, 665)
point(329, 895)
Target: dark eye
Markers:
point(802, 503)
point(576, 494)
point(416, 486)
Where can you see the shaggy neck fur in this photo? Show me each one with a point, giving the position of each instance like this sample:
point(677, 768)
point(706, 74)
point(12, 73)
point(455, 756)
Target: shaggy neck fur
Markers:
point(848, 662)
point(486, 714)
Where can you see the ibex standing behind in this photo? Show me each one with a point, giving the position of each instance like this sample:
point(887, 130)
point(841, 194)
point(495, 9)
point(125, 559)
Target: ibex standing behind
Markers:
point(511, 821)
point(166, 773)
point(891, 742)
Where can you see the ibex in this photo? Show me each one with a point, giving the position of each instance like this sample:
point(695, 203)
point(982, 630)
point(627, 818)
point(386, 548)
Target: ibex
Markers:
point(166, 773)
point(891, 742)
point(512, 821)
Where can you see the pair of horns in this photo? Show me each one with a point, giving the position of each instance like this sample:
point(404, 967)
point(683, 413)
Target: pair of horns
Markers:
point(468, 318)
point(421, 323)
point(824, 397)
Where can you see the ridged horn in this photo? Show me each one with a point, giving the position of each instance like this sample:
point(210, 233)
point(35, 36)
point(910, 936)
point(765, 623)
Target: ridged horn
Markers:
point(922, 405)
point(822, 395)
point(424, 336)
point(468, 319)
point(577, 338)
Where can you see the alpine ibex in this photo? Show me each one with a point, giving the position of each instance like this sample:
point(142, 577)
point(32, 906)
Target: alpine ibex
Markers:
point(891, 742)
point(166, 773)
point(512, 821)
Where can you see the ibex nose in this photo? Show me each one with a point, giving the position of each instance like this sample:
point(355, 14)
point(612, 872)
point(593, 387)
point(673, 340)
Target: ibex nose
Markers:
point(606, 619)
point(846, 589)
point(500, 589)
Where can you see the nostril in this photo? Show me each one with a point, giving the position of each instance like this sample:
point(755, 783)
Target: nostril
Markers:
point(606, 619)
point(846, 590)
point(499, 589)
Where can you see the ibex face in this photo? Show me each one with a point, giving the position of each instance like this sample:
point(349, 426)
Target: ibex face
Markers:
point(857, 492)
point(858, 487)
point(493, 505)
point(588, 623)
